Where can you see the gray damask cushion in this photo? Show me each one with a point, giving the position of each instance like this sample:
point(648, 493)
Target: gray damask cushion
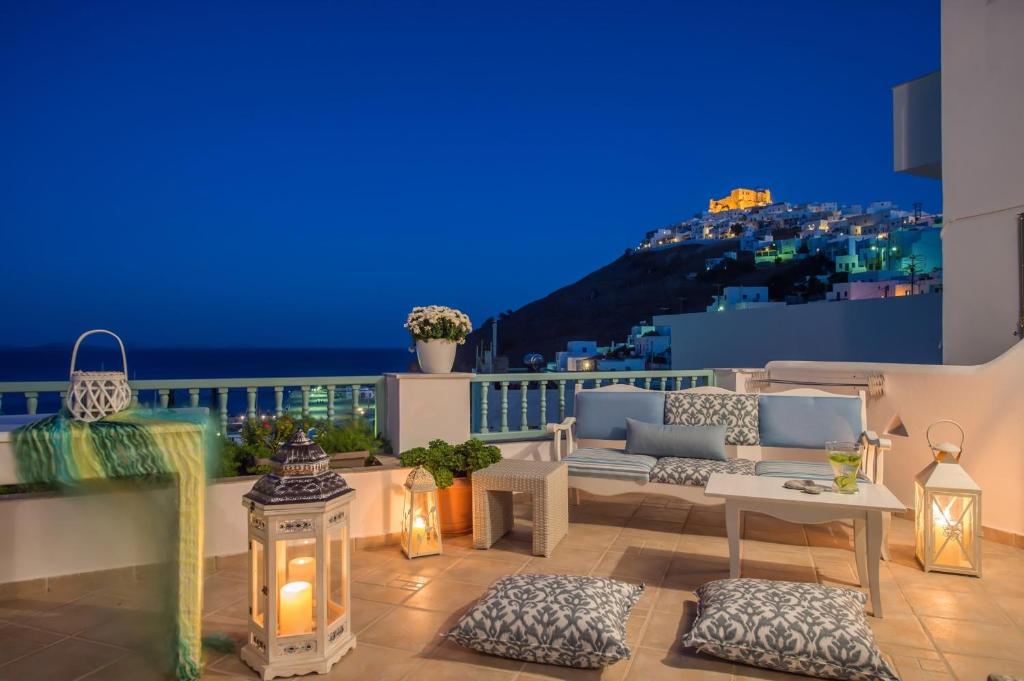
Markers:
point(552, 619)
point(657, 439)
point(737, 412)
point(695, 472)
point(793, 627)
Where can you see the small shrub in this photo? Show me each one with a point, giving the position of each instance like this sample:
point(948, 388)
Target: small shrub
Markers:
point(447, 462)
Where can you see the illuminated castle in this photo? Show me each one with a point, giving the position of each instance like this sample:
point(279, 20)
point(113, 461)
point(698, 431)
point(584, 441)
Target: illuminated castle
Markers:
point(741, 198)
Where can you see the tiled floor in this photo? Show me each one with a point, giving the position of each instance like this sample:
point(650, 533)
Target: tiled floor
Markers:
point(935, 627)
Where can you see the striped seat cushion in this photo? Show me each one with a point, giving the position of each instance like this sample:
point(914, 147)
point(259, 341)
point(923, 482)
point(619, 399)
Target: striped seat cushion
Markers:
point(799, 470)
point(599, 462)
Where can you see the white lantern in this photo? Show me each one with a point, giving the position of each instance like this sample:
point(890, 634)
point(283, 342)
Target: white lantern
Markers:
point(299, 591)
point(947, 512)
point(421, 530)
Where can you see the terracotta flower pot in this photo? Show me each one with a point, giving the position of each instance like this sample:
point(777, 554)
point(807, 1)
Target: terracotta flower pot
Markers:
point(455, 507)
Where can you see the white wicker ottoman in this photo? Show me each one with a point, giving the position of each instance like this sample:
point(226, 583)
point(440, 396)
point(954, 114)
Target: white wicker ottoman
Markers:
point(547, 481)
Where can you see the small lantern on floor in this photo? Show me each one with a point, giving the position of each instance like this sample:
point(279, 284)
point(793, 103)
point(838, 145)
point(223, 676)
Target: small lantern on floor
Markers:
point(948, 512)
point(299, 591)
point(421, 534)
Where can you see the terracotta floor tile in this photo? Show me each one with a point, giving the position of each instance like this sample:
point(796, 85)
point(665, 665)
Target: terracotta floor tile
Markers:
point(17, 641)
point(452, 652)
point(365, 613)
point(478, 571)
point(975, 607)
point(367, 662)
point(446, 595)
point(409, 629)
point(903, 630)
point(379, 593)
point(967, 668)
point(63, 661)
point(651, 664)
point(665, 630)
point(132, 667)
point(976, 639)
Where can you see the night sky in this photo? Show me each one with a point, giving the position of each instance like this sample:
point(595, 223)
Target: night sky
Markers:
point(301, 173)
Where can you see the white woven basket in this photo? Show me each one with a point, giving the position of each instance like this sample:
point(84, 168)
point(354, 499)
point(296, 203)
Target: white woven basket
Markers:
point(95, 394)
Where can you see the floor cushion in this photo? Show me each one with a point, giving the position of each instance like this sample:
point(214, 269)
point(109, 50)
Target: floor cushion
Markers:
point(794, 627)
point(799, 470)
point(599, 462)
point(564, 620)
point(735, 411)
point(695, 472)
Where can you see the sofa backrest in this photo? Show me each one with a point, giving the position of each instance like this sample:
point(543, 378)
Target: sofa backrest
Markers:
point(807, 419)
point(601, 414)
point(793, 419)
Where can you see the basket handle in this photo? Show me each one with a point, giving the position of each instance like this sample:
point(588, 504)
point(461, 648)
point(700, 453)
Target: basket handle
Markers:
point(928, 434)
point(74, 353)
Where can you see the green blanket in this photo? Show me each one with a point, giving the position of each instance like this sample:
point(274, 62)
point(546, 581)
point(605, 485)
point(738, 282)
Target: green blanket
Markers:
point(132, 444)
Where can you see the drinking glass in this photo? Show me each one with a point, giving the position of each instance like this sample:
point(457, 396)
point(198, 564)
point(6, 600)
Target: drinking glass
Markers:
point(845, 458)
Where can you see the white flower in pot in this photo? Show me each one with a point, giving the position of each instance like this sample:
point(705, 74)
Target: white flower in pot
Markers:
point(437, 330)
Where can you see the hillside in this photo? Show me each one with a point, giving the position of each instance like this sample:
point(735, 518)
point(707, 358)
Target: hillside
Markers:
point(603, 305)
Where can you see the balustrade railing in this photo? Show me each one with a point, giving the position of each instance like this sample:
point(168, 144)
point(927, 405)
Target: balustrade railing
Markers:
point(519, 405)
point(250, 398)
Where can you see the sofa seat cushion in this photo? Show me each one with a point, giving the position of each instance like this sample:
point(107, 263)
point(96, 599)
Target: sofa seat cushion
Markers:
point(792, 627)
point(599, 462)
point(738, 413)
point(695, 472)
point(799, 470)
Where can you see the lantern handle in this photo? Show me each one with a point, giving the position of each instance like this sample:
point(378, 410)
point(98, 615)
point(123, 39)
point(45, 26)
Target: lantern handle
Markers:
point(963, 436)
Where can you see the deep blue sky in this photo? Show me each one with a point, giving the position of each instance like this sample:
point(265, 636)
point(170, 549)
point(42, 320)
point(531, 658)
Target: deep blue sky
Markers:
point(301, 173)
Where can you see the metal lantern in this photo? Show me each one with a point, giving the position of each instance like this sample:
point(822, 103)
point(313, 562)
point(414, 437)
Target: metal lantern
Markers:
point(299, 590)
point(421, 530)
point(947, 512)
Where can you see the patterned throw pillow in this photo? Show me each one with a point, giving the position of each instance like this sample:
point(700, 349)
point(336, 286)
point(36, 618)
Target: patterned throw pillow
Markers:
point(793, 627)
point(552, 619)
point(738, 412)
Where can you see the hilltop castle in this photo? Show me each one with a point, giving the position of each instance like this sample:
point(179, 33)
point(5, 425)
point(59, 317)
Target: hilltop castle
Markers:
point(740, 198)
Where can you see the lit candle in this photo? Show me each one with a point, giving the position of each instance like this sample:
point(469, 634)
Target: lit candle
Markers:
point(296, 616)
point(419, 523)
point(302, 569)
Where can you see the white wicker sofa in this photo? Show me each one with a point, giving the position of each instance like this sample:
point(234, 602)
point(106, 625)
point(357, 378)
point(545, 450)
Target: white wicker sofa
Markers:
point(791, 427)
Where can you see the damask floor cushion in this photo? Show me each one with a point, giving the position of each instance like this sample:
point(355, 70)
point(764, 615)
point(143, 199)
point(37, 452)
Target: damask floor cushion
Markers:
point(552, 619)
point(795, 627)
point(695, 472)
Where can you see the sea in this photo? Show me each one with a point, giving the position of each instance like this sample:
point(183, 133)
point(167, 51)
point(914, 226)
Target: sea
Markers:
point(52, 363)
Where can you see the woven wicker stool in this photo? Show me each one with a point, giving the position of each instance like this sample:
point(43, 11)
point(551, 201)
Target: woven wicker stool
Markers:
point(493, 486)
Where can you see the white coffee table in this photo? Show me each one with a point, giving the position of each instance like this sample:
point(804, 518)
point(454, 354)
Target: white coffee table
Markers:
point(767, 495)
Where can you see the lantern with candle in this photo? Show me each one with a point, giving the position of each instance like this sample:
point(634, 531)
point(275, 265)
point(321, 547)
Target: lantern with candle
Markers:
point(947, 511)
point(299, 620)
point(421, 535)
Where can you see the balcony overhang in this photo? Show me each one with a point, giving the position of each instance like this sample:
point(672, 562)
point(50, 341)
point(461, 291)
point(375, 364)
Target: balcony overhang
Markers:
point(917, 126)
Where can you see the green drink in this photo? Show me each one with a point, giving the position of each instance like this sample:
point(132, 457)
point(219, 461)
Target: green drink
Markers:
point(845, 459)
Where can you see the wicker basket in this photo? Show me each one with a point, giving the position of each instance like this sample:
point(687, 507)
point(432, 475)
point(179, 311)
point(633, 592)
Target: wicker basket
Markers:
point(95, 394)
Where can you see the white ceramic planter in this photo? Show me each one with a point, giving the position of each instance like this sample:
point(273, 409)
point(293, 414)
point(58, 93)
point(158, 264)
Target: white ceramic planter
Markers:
point(436, 356)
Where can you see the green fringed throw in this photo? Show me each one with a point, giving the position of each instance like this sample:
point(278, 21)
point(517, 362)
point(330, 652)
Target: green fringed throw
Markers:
point(133, 444)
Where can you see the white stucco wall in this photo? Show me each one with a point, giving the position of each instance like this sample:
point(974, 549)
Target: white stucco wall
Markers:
point(983, 174)
point(905, 329)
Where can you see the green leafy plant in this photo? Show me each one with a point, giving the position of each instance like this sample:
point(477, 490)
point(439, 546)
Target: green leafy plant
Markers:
point(447, 462)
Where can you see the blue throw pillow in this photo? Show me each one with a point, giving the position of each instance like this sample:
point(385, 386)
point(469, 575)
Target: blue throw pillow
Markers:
point(687, 442)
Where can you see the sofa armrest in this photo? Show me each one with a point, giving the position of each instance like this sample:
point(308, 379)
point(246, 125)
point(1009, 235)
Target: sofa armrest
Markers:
point(558, 429)
point(876, 448)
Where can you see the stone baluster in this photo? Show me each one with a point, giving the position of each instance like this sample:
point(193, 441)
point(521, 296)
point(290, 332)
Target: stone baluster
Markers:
point(305, 401)
point(485, 392)
point(164, 395)
point(504, 406)
point(222, 410)
point(524, 389)
point(193, 397)
point(278, 401)
point(561, 401)
point(331, 390)
point(135, 399)
point(250, 406)
point(647, 382)
point(543, 385)
point(355, 400)
point(31, 403)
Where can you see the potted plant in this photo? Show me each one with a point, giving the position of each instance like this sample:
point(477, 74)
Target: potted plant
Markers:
point(436, 331)
point(452, 466)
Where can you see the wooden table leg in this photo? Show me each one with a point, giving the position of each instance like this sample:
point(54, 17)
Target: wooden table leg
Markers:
point(874, 557)
point(860, 550)
point(732, 529)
